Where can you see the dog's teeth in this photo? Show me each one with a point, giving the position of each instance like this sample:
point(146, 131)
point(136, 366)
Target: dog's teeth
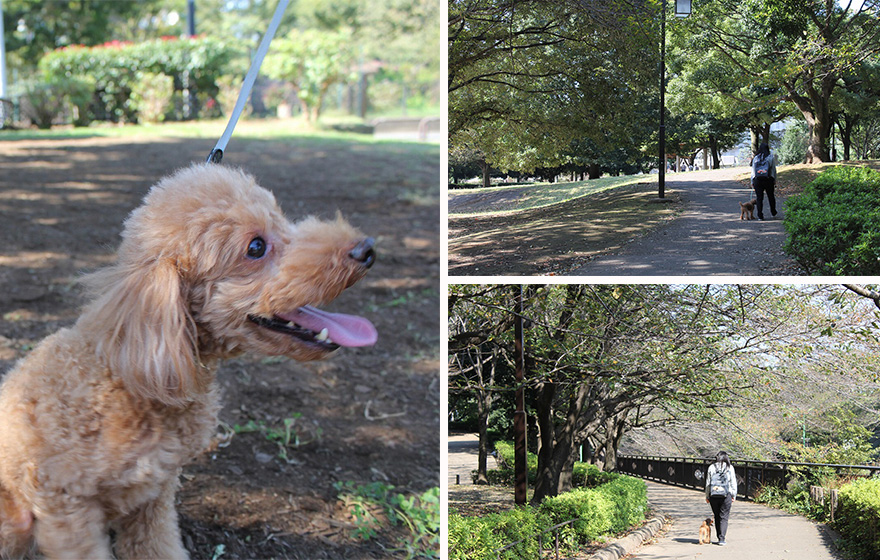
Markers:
point(322, 336)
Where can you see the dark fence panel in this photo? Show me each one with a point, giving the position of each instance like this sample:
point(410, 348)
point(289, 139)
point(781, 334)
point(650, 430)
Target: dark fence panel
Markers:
point(690, 472)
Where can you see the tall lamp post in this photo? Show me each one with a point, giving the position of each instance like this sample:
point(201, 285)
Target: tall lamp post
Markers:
point(682, 9)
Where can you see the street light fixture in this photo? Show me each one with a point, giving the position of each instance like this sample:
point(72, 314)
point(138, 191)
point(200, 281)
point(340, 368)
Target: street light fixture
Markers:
point(682, 9)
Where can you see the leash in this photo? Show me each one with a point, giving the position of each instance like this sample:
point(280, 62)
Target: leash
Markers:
point(217, 153)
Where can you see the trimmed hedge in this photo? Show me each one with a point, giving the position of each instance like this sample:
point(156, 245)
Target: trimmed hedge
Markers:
point(116, 67)
point(858, 517)
point(834, 225)
point(477, 538)
point(610, 508)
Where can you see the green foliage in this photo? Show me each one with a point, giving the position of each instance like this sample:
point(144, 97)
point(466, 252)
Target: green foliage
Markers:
point(311, 61)
point(151, 96)
point(583, 474)
point(42, 103)
point(589, 475)
point(477, 538)
point(834, 225)
point(505, 473)
point(116, 67)
point(520, 92)
point(795, 141)
point(858, 517)
point(610, 508)
point(794, 498)
point(418, 515)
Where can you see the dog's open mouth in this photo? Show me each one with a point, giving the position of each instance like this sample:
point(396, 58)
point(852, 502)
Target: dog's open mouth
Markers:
point(321, 328)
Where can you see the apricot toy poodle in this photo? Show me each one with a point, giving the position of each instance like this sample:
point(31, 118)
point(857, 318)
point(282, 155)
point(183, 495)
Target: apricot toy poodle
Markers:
point(96, 422)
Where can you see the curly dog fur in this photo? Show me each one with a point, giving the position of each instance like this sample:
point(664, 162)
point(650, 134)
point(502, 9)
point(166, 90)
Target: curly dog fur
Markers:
point(97, 421)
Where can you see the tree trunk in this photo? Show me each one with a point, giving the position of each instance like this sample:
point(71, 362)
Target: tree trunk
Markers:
point(846, 125)
point(554, 475)
point(595, 171)
point(816, 108)
point(485, 168)
point(759, 134)
point(545, 393)
point(483, 406)
point(615, 427)
point(716, 157)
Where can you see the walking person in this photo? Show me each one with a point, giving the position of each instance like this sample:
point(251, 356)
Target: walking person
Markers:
point(721, 492)
point(764, 179)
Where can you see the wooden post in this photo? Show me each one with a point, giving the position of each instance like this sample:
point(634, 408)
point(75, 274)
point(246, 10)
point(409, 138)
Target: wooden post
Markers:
point(519, 416)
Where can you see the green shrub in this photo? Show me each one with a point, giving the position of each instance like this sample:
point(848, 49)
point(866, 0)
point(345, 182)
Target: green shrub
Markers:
point(192, 63)
point(472, 538)
point(858, 517)
point(834, 225)
point(593, 509)
point(630, 498)
point(477, 538)
point(589, 475)
point(505, 450)
point(42, 104)
point(611, 508)
point(151, 96)
point(795, 142)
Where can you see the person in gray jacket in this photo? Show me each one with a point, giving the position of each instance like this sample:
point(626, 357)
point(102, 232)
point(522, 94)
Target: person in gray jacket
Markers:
point(764, 179)
point(721, 492)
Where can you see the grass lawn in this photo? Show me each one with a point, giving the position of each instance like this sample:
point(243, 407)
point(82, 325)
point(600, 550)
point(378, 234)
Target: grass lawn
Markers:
point(266, 129)
point(501, 199)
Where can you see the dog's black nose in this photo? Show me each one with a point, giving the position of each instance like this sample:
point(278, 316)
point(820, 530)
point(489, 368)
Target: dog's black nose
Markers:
point(363, 252)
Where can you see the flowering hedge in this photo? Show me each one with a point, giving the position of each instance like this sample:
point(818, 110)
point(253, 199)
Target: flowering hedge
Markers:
point(116, 67)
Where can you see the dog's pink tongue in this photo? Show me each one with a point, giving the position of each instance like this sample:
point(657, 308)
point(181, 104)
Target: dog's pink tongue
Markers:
point(344, 330)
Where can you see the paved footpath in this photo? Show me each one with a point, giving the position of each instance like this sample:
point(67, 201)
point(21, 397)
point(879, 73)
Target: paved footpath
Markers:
point(755, 532)
point(462, 456)
point(707, 238)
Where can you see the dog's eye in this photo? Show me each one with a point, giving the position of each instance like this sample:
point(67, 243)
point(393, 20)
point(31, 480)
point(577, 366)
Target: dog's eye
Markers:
point(256, 248)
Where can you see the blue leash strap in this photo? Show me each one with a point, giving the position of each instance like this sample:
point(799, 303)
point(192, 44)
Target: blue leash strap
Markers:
point(217, 153)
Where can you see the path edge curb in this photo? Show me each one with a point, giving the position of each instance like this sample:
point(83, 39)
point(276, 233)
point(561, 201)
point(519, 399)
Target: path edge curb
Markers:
point(626, 545)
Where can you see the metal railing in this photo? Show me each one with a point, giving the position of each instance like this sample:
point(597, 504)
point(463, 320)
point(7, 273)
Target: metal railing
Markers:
point(690, 472)
point(539, 536)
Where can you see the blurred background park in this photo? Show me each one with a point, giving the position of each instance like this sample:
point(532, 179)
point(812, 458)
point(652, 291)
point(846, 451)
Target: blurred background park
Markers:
point(344, 64)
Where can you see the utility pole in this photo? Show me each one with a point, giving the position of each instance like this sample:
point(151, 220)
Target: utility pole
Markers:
point(191, 18)
point(520, 465)
point(189, 96)
point(661, 179)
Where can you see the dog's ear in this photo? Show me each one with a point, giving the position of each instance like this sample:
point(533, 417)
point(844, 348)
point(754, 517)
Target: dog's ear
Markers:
point(146, 335)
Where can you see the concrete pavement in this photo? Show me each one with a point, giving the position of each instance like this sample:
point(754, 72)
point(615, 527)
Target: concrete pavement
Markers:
point(462, 455)
point(707, 238)
point(755, 532)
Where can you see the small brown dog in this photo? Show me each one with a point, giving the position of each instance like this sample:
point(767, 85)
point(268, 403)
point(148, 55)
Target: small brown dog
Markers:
point(706, 531)
point(747, 209)
point(97, 420)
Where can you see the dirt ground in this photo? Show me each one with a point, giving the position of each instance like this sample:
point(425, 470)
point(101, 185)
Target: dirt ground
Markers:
point(364, 415)
point(551, 240)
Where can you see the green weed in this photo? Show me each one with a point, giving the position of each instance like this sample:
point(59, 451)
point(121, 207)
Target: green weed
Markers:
point(419, 516)
point(285, 437)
